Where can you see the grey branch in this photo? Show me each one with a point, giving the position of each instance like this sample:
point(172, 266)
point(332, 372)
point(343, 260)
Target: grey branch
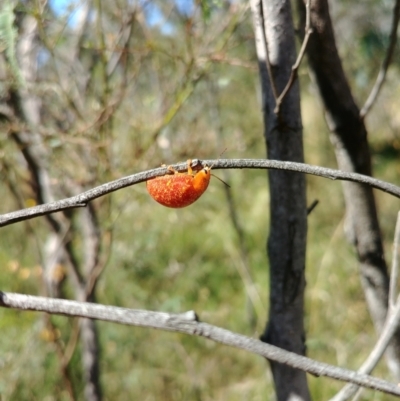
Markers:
point(394, 274)
point(386, 62)
point(81, 200)
point(374, 357)
point(259, 22)
point(296, 65)
point(188, 323)
point(389, 328)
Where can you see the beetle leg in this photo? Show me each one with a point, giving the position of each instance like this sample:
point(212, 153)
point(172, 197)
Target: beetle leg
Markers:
point(189, 163)
point(172, 170)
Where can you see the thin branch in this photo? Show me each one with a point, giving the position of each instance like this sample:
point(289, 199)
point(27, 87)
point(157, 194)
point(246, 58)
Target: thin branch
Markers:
point(386, 62)
point(389, 328)
point(395, 265)
point(254, 305)
point(81, 200)
point(267, 60)
point(293, 75)
point(313, 205)
point(188, 323)
point(122, 43)
point(62, 361)
point(374, 357)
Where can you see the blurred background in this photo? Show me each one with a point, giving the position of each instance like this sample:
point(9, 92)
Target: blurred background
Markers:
point(91, 91)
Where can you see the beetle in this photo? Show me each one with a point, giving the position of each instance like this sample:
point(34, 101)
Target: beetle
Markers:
point(179, 190)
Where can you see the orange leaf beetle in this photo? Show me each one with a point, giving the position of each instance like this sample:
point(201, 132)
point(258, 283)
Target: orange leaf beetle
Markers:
point(179, 189)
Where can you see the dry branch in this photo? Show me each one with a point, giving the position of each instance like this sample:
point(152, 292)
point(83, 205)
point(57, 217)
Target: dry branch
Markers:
point(81, 200)
point(188, 323)
point(349, 137)
point(389, 328)
point(295, 68)
point(385, 64)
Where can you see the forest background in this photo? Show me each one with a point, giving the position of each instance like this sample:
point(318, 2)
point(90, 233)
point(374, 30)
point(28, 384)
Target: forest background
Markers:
point(121, 87)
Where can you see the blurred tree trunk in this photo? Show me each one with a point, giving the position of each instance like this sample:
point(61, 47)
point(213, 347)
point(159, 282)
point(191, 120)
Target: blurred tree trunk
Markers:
point(24, 113)
point(349, 137)
point(275, 42)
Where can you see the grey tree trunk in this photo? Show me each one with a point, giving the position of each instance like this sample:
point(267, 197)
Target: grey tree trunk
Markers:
point(288, 216)
point(25, 115)
point(349, 137)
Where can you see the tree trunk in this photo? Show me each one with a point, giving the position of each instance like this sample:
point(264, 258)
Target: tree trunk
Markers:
point(349, 137)
point(288, 228)
point(26, 109)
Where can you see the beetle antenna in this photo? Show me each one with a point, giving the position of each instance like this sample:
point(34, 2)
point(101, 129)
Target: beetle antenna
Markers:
point(221, 180)
point(217, 160)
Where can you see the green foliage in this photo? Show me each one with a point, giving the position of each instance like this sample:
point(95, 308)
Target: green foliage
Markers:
point(168, 100)
point(8, 39)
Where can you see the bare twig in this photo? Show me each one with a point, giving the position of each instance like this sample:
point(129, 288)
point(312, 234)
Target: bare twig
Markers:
point(347, 129)
point(386, 62)
point(188, 323)
point(296, 65)
point(255, 305)
point(81, 200)
point(389, 328)
point(313, 205)
point(395, 265)
point(59, 348)
point(260, 12)
point(259, 24)
point(120, 52)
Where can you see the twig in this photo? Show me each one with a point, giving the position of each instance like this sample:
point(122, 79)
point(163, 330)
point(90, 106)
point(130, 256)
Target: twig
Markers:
point(81, 200)
point(188, 323)
point(293, 75)
point(259, 23)
point(255, 306)
point(61, 356)
point(313, 205)
point(395, 265)
point(389, 328)
point(386, 62)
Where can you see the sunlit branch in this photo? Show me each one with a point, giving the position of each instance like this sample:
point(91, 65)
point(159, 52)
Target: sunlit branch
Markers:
point(394, 273)
point(81, 200)
point(296, 65)
point(386, 62)
point(261, 23)
point(188, 323)
point(389, 328)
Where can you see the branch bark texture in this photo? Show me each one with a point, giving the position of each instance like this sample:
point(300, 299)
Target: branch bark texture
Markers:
point(349, 137)
point(188, 323)
point(82, 199)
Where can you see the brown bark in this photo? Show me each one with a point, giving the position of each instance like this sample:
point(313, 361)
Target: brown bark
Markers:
point(349, 137)
point(288, 216)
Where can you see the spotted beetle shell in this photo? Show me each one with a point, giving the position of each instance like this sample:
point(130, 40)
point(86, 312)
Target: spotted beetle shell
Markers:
point(180, 189)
